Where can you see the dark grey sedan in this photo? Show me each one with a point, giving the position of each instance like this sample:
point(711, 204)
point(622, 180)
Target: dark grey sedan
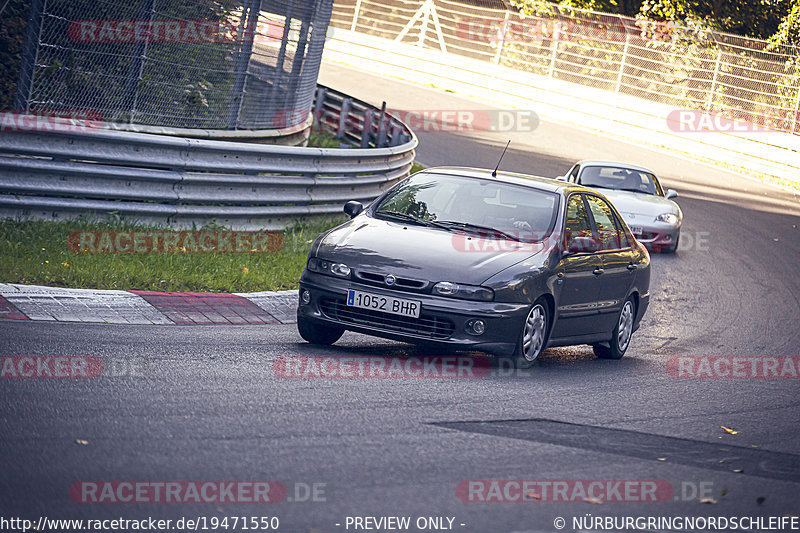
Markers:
point(500, 262)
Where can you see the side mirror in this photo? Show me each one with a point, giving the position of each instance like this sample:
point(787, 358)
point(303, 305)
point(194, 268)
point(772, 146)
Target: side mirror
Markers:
point(353, 208)
point(561, 178)
point(671, 193)
point(582, 245)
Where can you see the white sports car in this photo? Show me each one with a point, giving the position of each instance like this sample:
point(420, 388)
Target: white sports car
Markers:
point(653, 217)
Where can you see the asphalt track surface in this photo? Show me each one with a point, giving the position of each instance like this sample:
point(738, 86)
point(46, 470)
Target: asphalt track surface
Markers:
point(206, 404)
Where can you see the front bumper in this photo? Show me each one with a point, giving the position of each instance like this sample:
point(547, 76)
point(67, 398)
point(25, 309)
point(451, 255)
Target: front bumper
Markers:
point(658, 236)
point(443, 321)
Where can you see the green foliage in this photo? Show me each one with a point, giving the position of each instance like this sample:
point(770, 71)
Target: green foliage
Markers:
point(779, 19)
point(541, 7)
point(752, 18)
point(36, 252)
point(789, 30)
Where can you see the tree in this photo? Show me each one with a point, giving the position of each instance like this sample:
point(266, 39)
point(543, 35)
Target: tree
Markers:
point(789, 30)
point(751, 18)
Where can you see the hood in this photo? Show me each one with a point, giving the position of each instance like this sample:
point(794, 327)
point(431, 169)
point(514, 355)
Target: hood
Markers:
point(418, 252)
point(638, 204)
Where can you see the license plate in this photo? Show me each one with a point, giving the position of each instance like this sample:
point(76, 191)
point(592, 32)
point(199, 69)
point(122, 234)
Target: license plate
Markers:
point(637, 230)
point(385, 304)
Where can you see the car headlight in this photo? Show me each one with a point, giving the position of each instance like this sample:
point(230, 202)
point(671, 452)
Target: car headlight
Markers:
point(466, 292)
point(669, 218)
point(328, 267)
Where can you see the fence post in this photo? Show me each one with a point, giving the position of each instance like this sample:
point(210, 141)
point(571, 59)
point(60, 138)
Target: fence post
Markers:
point(136, 66)
point(355, 16)
point(622, 62)
point(713, 82)
point(366, 130)
point(343, 114)
point(242, 63)
point(501, 41)
point(556, 34)
point(796, 111)
point(30, 52)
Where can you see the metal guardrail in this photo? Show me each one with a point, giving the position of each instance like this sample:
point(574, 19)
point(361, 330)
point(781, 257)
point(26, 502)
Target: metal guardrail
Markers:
point(184, 182)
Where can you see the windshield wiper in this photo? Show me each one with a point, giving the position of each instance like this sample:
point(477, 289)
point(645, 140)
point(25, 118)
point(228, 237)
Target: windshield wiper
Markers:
point(478, 228)
point(413, 219)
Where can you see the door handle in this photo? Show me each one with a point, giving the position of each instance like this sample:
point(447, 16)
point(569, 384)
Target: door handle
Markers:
point(631, 267)
point(597, 271)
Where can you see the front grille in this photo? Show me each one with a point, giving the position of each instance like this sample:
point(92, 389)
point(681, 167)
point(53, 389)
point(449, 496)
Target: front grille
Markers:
point(375, 278)
point(425, 326)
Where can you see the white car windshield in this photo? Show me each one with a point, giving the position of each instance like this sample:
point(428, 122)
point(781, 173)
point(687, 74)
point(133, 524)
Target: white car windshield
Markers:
point(622, 179)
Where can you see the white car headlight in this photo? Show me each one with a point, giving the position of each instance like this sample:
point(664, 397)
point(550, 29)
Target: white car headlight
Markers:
point(669, 218)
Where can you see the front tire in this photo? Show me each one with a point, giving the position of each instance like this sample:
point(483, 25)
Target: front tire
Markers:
point(621, 338)
point(533, 337)
point(317, 333)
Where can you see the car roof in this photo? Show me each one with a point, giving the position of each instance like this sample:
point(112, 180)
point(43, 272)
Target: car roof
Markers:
point(515, 178)
point(596, 163)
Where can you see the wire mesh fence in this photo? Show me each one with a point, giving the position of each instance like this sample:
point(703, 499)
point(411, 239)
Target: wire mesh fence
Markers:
point(726, 75)
point(227, 64)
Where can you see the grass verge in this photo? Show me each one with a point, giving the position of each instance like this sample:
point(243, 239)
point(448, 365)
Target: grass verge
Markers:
point(35, 252)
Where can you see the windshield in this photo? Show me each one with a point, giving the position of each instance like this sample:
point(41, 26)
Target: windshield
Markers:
point(623, 179)
point(477, 205)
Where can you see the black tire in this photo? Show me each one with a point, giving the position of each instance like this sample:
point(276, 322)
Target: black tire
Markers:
point(317, 333)
point(537, 324)
point(621, 337)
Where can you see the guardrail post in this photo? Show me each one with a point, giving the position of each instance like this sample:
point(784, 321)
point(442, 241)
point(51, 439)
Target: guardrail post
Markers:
point(319, 102)
point(713, 82)
point(355, 16)
point(344, 113)
point(396, 132)
point(622, 62)
point(30, 51)
point(501, 40)
point(366, 131)
point(382, 126)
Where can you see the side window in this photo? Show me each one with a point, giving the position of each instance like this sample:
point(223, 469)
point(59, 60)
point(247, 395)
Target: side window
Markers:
point(577, 223)
point(573, 175)
point(604, 220)
point(624, 241)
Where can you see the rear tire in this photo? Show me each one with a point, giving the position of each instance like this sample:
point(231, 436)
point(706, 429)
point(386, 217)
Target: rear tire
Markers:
point(533, 337)
point(317, 333)
point(621, 338)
